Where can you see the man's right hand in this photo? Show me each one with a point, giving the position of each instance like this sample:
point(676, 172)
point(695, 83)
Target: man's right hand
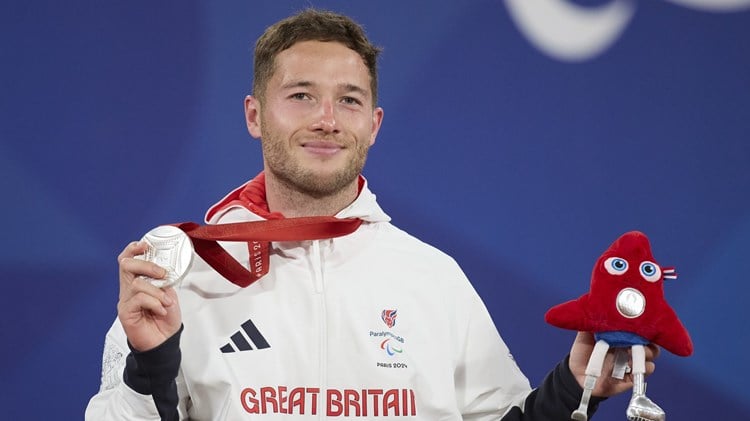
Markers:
point(149, 315)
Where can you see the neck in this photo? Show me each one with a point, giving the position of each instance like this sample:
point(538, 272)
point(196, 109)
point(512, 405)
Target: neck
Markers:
point(293, 203)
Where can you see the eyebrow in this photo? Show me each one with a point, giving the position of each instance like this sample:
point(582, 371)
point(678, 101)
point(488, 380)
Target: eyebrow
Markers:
point(297, 84)
point(348, 87)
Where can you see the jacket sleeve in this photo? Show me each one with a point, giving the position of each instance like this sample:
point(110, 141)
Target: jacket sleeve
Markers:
point(138, 386)
point(555, 399)
point(490, 386)
point(488, 382)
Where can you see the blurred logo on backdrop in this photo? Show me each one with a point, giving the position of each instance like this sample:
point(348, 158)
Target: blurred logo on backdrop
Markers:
point(572, 32)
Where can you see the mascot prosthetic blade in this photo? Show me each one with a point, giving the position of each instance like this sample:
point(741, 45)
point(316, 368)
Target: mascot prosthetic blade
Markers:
point(625, 307)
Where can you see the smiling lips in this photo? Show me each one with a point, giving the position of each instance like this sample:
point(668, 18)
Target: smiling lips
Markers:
point(321, 147)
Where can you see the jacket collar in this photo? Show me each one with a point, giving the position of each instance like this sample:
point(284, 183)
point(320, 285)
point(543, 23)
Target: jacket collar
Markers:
point(249, 200)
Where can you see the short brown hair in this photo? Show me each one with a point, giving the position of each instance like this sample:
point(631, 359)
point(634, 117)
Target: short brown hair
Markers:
point(311, 25)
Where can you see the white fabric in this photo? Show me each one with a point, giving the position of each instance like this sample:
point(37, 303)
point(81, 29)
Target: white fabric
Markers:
point(639, 359)
point(319, 308)
point(596, 361)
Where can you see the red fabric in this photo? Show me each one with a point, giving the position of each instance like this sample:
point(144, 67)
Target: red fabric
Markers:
point(252, 196)
point(596, 311)
point(258, 234)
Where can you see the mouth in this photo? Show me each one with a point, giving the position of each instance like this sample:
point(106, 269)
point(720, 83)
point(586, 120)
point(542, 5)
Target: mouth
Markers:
point(630, 303)
point(321, 147)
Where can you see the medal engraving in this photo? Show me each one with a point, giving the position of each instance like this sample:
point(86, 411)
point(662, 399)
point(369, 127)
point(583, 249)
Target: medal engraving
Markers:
point(631, 303)
point(170, 248)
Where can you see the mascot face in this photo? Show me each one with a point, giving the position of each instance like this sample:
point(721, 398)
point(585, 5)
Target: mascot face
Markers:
point(627, 278)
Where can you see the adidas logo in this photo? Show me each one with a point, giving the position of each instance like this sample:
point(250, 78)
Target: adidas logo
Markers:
point(241, 341)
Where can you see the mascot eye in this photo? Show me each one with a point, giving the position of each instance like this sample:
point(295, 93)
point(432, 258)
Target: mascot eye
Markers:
point(650, 271)
point(616, 265)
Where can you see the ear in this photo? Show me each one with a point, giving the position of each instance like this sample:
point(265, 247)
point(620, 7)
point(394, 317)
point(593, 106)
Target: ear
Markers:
point(252, 116)
point(377, 120)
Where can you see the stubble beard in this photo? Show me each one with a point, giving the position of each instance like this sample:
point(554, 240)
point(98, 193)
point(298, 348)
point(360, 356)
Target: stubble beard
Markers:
point(291, 173)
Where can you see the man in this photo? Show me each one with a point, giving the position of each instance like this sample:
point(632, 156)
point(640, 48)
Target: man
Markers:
point(373, 324)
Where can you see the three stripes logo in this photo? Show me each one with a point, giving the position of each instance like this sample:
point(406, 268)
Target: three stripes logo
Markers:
point(246, 339)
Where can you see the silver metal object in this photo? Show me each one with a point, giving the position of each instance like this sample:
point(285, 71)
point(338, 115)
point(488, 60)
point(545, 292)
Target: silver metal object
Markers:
point(593, 371)
point(170, 248)
point(631, 303)
point(621, 364)
point(581, 414)
point(641, 408)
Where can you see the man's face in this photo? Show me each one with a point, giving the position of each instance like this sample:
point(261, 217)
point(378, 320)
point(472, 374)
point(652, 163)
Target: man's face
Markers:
point(316, 120)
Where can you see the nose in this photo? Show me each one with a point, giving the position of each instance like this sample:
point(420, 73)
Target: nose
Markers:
point(325, 121)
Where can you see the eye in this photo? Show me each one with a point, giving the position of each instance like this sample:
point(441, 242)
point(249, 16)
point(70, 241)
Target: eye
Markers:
point(299, 96)
point(616, 265)
point(650, 271)
point(351, 101)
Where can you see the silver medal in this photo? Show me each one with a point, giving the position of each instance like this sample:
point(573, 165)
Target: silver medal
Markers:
point(170, 248)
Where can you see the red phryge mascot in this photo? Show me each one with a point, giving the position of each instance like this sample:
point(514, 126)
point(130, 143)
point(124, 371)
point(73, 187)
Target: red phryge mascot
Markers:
point(625, 307)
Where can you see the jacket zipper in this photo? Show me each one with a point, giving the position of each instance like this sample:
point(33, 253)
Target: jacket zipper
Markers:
point(319, 286)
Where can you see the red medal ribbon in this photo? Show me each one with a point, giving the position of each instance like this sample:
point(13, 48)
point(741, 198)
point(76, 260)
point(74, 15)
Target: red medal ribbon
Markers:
point(258, 235)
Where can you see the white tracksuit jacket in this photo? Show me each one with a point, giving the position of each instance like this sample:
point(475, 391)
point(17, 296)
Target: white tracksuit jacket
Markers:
point(372, 325)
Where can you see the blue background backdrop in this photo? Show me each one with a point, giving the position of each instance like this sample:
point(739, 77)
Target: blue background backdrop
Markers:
point(119, 116)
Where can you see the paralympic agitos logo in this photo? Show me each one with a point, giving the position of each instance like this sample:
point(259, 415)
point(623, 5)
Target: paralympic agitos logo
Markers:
point(569, 32)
